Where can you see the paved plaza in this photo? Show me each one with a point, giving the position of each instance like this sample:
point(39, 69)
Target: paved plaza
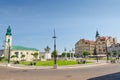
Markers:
point(102, 72)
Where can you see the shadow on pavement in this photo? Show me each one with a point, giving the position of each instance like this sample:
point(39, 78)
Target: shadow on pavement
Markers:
point(114, 76)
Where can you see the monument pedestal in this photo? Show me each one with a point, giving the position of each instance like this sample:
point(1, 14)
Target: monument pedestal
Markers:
point(8, 64)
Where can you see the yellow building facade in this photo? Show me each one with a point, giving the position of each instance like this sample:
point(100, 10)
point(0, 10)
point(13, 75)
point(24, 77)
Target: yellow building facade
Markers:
point(84, 45)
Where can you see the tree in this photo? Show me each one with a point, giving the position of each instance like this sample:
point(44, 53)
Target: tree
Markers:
point(109, 55)
point(85, 54)
point(69, 54)
point(54, 53)
point(22, 56)
point(1, 58)
point(35, 55)
point(13, 56)
point(63, 54)
point(115, 54)
point(77, 55)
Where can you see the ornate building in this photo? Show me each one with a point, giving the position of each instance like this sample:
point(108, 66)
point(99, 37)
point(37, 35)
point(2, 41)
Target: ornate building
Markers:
point(103, 43)
point(84, 45)
point(98, 47)
point(114, 48)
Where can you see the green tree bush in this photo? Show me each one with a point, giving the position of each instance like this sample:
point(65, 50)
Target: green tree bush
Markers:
point(35, 55)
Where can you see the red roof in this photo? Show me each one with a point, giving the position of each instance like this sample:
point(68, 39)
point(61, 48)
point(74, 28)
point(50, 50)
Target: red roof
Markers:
point(102, 38)
point(87, 41)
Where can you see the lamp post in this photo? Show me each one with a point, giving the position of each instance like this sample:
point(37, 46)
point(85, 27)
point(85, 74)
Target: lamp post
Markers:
point(107, 51)
point(95, 53)
point(70, 54)
point(73, 53)
point(55, 55)
point(65, 53)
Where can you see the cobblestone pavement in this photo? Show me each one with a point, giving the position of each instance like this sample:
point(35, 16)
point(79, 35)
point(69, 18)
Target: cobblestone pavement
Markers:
point(103, 72)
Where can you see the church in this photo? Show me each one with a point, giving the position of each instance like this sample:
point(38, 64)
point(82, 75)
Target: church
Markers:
point(17, 52)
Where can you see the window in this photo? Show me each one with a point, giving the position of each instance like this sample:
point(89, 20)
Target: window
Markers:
point(103, 42)
point(104, 50)
point(8, 40)
point(100, 50)
point(27, 53)
point(17, 54)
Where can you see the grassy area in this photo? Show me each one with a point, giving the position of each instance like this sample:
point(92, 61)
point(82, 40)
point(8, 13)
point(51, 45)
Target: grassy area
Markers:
point(47, 63)
point(50, 63)
point(3, 60)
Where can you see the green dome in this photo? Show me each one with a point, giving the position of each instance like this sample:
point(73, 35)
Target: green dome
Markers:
point(8, 31)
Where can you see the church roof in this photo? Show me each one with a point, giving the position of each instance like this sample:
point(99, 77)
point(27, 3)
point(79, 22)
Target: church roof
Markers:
point(8, 31)
point(23, 48)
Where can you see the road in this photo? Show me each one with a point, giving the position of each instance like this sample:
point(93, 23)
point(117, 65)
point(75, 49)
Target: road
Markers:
point(104, 72)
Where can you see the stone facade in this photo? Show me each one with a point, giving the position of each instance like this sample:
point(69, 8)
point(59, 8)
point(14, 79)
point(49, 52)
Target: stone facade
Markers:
point(99, 46)
point(84, 45)
point(114, 48)
point(102, 44)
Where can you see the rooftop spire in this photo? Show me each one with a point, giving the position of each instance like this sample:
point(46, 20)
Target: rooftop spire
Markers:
point(97, 33)
point(8, 31)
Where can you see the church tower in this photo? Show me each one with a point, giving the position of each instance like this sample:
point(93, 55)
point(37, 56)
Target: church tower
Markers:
point(97, 34)
point(8, 41)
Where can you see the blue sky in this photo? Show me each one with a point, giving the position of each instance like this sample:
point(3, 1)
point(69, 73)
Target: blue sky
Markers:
point(33, 21)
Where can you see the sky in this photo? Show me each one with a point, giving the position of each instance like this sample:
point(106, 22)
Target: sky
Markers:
point(33, 21)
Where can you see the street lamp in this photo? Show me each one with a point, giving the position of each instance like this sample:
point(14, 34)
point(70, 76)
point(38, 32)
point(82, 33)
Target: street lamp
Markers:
point(65, 53)
point(107, 51)
point(95, 53)
point(55, 54)
point(70, 54)
point(73, 53)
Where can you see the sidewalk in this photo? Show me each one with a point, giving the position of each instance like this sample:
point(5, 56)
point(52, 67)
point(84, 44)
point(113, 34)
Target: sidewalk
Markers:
point(18, 66)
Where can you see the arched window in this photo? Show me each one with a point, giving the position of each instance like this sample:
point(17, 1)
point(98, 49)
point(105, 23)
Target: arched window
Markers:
point(17, 54)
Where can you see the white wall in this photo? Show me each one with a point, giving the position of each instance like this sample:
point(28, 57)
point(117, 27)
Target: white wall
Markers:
point(28, 55)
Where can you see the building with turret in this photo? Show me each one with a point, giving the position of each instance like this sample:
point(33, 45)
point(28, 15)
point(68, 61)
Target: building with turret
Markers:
point(17, 52)
point(98, 47)
point(103, 43)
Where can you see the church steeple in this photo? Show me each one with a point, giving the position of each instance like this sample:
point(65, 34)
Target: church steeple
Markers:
point(8, 41)
point(97, 34)
point(8, 31)
point(8, 37)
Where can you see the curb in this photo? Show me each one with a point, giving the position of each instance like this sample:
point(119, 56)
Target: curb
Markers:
point(84, 66)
